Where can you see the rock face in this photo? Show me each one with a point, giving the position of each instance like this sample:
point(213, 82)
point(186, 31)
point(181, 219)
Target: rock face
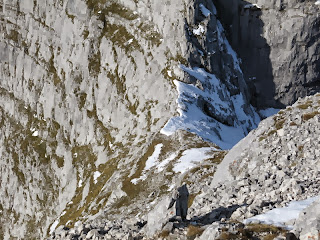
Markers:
point(85, 88)
point(285, 167)
point(278, 42)
point(308, 224)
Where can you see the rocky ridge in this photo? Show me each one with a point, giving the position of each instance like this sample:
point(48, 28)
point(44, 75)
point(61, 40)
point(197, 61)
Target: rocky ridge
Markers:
point(284, 168)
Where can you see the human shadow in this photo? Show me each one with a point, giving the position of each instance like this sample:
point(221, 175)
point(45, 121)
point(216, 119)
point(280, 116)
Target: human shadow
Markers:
point(216, 215)
point(244, 28)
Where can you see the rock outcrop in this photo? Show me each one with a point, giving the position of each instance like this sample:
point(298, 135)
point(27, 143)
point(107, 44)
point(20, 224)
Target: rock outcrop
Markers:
point(278, 42)
point(307, 225)
point(285, 167)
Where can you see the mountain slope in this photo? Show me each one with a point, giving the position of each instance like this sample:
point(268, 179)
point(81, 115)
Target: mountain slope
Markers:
point(85, 88)
point(275, 164)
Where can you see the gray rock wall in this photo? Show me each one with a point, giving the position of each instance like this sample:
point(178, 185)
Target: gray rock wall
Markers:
point(85, 87)
point(79, 81)
point(279, 46)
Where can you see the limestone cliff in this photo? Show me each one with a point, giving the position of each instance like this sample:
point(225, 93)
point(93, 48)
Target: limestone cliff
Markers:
point(85, 88)
point(278, 42)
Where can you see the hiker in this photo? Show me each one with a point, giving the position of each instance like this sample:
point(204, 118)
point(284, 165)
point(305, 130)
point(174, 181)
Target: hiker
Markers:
point(181, 199)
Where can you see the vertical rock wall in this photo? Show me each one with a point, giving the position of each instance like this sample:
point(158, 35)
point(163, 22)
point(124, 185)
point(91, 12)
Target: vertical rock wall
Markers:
point(278, 42)
point(83, 87)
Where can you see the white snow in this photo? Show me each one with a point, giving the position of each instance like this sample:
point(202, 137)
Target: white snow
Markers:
point(160, 167)
point(193, 119)
point(205, 11)
point(130, 41)
point(252, 5)
point(135, 180)
point(53, 226)
point(169, 73)
point(268, 112)
point(281, 216)
point(211, 112)
point(96, 174)
point(199, 30)
point(152, 161)
point(191, 157)
point(80, 183)
point(317, 2)
point(35, 134)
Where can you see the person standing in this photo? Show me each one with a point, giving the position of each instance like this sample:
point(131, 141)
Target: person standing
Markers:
point(181, 199)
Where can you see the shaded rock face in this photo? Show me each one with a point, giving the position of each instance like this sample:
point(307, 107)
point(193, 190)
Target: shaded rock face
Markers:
point(278, 42)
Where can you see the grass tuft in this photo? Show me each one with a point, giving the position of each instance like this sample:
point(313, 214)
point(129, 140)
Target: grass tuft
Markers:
point(194, 231)
point(308, 116)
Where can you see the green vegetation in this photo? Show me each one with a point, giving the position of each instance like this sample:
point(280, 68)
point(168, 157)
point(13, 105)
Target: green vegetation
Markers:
point(81, 97)
point(150, 34)
point(13, 35)
point(279, 122)
point(70, 15)
point(85, 34)
point(25, 150)
point(164, 234)
point(271, 132)
point(194, 231)
point(94, 63)
point(52, 69)
point(118, 81)
point(253, 231)
point(119, 36)
point(115, 8)
point(134, 190)
point(305, 105)
point(192, 196)
point(308, 116)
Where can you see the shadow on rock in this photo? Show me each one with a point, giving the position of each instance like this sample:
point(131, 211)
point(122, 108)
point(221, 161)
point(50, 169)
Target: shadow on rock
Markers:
point(216, 215)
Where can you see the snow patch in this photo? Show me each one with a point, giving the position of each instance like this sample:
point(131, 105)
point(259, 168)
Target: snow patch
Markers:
point(80, 183)
point(252, 6)
point(268, 112)
point(193, 118)
point(162, 165)
point(96, 174)
point(281, 216)
point(35, 134)
point(53, 226)
point(191, 157)
point(152, 161)
point(199, 30)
